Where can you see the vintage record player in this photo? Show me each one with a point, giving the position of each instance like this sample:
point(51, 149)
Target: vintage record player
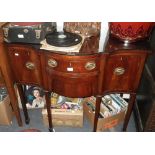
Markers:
point(27, 32)
point(62, 41)
point(73, 36)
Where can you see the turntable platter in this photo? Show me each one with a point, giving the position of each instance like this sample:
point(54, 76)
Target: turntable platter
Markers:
point(63, 39)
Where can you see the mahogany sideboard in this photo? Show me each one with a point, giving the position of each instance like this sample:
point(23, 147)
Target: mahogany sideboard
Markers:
point(117, 69)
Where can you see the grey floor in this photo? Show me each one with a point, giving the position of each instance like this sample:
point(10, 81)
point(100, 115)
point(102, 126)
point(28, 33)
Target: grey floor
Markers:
point(37, 123)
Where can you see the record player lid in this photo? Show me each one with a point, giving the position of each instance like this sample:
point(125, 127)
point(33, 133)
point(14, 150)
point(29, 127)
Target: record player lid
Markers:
point(63, 39)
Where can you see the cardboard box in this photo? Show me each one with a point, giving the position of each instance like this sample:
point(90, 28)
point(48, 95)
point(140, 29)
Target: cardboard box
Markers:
point(6, 114)
point(103, 123)
point(64, 117)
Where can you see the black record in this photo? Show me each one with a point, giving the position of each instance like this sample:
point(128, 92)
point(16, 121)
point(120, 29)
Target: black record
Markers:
point(63, 39)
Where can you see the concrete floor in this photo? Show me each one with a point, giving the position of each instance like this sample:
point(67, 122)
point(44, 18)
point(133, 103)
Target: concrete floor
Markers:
point(36, 122)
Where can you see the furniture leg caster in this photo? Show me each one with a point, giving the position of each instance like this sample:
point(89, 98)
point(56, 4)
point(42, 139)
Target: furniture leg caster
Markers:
point(27, 121)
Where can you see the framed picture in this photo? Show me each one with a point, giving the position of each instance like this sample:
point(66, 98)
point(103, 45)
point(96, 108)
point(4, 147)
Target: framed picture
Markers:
point(35, 97)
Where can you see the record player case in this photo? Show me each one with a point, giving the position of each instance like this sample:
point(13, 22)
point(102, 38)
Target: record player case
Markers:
point(83, 74)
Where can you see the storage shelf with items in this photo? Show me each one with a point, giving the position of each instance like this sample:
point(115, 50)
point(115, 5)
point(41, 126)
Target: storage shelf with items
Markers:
point(65, 111)
point(112, 111)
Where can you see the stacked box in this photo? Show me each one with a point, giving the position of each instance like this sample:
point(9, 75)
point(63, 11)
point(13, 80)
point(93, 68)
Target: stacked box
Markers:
point(112, 111)
point(64, 117)
point(65, 111)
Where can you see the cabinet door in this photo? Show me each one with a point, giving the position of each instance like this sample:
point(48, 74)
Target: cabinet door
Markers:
point(123, 71)
point(25, 63)
point(72, 76)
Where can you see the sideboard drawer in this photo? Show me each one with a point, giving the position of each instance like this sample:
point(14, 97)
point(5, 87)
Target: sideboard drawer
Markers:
point(25, 64)
point(123, 71)
point(72, 76)
point(72, 64)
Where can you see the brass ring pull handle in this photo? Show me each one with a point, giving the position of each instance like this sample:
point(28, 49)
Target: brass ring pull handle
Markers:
point(119, 71)
point(52, 63)
point(90, 65)
point(30, 65)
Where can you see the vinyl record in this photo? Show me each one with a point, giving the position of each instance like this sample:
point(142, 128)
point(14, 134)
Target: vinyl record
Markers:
point(63, 39)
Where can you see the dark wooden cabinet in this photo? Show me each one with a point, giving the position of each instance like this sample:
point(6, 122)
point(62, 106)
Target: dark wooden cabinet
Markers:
point(25, 63)
point(123, 71)
point(87, 73)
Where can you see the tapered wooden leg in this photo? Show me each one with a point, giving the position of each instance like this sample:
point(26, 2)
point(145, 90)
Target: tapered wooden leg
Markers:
point(48, 105)
point(14, 104)
point(129, 111)
point(97, 112)
point(23, 102)
point(7, 75)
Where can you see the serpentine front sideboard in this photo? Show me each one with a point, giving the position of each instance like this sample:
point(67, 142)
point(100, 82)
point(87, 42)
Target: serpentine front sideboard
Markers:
point(85, 73)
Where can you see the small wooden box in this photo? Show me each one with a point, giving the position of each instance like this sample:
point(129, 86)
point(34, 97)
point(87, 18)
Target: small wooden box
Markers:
point(6, 114)
point(64, 117)
point(103, 123)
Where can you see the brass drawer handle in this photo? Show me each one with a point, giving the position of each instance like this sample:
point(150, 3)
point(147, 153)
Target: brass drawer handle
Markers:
point(52, 63)
point(119, 71)
point(90, 65)
point(30, 65)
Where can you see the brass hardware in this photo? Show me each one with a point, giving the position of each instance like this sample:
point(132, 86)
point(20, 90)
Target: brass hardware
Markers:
point(38, 32)
point(52, 63)
point(119, 71)
point(90, 65)
point(6, 32)
point(30, 65)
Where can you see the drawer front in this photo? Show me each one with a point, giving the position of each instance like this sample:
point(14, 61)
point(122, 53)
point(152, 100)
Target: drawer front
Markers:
point(71, 76)
point(123, 72)
point(25, 64)
point(72, 64)
point(73, 86)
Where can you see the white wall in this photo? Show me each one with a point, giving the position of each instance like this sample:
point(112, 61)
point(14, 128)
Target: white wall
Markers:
point(104, 30)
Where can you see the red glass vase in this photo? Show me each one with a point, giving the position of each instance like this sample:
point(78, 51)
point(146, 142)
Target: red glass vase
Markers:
point(130, 31)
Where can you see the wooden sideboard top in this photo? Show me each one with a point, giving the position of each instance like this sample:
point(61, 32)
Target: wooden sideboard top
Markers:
point(113, 44)
point(91, 45)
